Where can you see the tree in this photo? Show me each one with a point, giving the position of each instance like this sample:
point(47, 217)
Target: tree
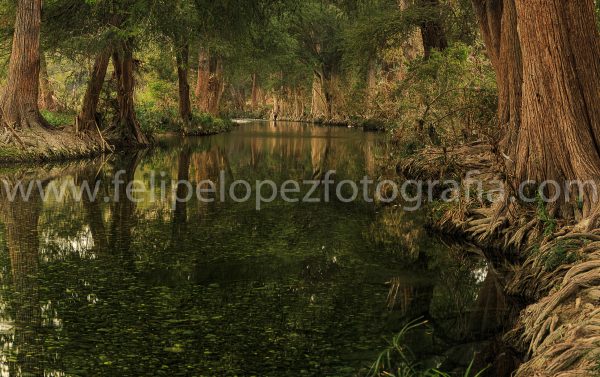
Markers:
point(183, 61)
point(19, 103)
point(77, 30)
point(545, 57)
point(87, 118)
point(46, 100)
point(126, 124)
point(104, 29)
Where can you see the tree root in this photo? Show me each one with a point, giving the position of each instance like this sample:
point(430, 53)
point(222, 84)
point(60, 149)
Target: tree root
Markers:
point(560, 332)
point(36, 142)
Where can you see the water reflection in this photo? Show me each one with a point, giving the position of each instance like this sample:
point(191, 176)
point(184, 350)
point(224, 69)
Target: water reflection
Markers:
point(195, 288)
point(22, 316)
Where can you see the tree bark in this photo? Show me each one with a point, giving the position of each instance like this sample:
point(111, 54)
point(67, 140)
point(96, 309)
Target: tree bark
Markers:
point(126, 122)
point(46, 100)
point(19, 104)
point(498, 23)
point(545, 55)
point(202, 96)
point(216, 86)
point(185, 106)
point(88, 116)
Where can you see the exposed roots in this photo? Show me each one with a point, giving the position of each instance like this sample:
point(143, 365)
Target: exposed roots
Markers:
point(45, 144)
point(435, 163)
point(557, 268)
point(560, 333)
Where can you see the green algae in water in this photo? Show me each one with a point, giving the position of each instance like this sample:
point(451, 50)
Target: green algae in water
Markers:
point(220, 289)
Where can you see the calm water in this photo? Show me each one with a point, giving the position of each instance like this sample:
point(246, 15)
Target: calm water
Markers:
point(110, 288)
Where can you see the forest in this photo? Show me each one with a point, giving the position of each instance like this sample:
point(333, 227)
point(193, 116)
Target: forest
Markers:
point(429, 100)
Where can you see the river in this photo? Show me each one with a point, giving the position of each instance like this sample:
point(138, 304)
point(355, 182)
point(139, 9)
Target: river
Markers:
point(156, 287)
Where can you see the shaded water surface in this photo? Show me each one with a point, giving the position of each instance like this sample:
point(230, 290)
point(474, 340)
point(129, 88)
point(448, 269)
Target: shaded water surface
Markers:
point(117, 288)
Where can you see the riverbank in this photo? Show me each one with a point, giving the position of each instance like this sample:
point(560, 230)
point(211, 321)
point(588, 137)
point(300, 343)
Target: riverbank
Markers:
point(62, 142)
point(556, 265)
point(50, 144)
point(367, 125)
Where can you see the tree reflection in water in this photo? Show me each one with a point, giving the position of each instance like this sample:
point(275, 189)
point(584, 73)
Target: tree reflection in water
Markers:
point(151, 288)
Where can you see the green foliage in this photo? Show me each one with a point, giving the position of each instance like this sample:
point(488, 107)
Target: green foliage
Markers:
point(549, 223)
point(58, 119)
point(447, 99)
point(205, 124)
point(562, 254)
point(161, 120)
point(398, 361)
point(155, 120)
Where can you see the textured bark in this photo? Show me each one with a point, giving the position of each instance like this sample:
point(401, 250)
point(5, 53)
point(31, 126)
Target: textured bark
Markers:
point(21, 123)
point(88, 116)
point(432, 30)
point(560, 121)
point(185, 106)
point(216, 86)
point(202, 95)
point(46, 100)
point(498, 23)
point(545, 55)
point(19, 104)
point(238, 98)
point(126, 122)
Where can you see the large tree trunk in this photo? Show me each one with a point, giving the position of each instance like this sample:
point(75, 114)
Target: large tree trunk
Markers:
point(216, 86)
point(46, 100)
point(185, 106)
point(560, 118)
point(545, 54)
point(88, 117)
point(19, 104)
point(432, 30)
point(126, 122)
point(202, 96)
point(498, 23)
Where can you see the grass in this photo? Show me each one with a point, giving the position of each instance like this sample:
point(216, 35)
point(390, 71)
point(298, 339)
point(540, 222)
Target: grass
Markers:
point(161, 121)
point(398, 360)
point(559, 256)
point(206, 124)
point(397, 357)
point(57, 118)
